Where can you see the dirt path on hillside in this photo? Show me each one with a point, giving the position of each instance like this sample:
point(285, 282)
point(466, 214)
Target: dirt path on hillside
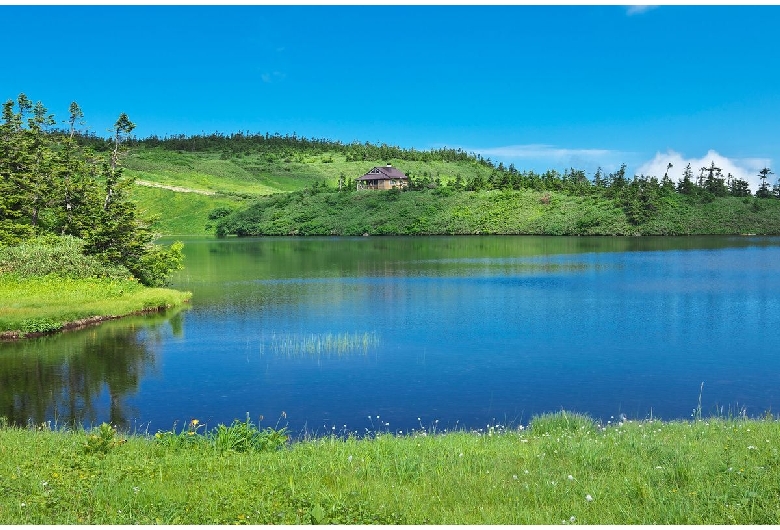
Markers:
point(173, 188)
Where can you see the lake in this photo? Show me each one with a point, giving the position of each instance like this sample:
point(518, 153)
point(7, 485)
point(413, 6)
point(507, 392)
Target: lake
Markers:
point(356, 335)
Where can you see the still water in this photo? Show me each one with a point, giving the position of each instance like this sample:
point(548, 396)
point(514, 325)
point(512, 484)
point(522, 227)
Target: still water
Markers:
point(356, 334)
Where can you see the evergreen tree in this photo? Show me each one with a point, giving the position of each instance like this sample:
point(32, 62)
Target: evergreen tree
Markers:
point(686, 186)
point(738, 187)
point(763, 190)
point(51, 185)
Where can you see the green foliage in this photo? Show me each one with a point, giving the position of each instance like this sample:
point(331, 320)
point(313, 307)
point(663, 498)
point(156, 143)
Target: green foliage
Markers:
point(59, 255)
point(219, 212)
point(238, 437)
point(208, 175)
point(187, 437)
point(39, 325)
point(102, 440)
point(639, 208)
point(562, 422)
point(244, 436)
point(49, 184)
point(35, 303)
point(157, 263)
point(713, 471)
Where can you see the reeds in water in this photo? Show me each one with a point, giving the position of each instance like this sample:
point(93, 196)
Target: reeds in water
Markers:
point(323, 344)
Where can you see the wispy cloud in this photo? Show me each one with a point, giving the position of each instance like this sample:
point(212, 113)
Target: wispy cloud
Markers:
point(638, 10)
point(542, 151)
point(744, 168)
point(273, 76)
point(541, 157)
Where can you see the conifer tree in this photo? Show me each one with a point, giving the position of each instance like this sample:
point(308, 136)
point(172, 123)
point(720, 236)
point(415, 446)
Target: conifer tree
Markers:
point(51, 185)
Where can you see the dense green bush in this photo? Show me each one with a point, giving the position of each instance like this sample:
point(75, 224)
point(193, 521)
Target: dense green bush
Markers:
point(59, 255)
point(528, 212)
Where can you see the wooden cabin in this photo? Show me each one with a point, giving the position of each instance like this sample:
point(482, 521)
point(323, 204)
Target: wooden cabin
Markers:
point(383, 178)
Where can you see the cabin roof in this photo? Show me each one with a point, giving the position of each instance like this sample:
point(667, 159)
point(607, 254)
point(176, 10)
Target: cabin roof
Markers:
point(384, 173)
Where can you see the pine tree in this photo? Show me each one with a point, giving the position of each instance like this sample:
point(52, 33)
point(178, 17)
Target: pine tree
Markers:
point(51, 185)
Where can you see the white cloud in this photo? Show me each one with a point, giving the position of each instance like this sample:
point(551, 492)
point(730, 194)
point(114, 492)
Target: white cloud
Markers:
point(744, 168)
point(638, 10)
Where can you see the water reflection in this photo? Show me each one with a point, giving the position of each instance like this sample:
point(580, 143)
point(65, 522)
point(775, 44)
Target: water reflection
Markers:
point(81, 377)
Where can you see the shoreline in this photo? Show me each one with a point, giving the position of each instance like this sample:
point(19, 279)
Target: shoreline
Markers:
point(82, 323)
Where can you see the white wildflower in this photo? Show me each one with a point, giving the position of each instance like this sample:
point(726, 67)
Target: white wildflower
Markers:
point(588, 498)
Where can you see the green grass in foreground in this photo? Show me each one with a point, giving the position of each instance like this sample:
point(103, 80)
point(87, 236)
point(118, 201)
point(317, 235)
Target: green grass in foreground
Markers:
point(44, 304)
point(563, 469)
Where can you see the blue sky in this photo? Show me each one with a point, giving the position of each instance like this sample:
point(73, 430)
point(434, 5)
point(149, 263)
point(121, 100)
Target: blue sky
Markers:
point(539, 86)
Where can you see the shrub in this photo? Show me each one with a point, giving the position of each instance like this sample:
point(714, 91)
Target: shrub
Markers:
point(244, 436)
point(220, 212)
point(58, 255)
point(39, 325)
point(102, 440)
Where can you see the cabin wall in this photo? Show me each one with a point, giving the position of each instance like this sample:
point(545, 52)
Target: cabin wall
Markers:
point(383, 184)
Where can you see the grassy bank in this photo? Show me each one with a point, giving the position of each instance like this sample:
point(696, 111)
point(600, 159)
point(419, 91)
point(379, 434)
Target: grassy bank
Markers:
point(51, 303)
point(47, 285)
point(561, 469)
point(527, 212)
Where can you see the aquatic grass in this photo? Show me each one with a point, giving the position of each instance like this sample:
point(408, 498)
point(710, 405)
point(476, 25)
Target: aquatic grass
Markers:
point(322, 344)
point(710, 471)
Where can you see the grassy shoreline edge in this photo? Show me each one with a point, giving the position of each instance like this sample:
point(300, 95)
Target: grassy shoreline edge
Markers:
point(37, 306)
point(563, 468)
point(47, 285)
point(82, 323)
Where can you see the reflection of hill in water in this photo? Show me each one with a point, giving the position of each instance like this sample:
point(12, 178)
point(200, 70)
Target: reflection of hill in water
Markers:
point(321, 344)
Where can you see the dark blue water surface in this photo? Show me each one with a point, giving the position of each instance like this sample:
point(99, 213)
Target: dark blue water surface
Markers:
point(349, 334)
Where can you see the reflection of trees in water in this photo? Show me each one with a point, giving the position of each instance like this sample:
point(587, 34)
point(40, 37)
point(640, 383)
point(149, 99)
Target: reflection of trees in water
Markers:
point(64, 377)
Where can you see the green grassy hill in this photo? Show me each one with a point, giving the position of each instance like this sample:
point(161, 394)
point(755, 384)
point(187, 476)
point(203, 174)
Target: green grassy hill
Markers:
point(206, 180)
point(288, 186)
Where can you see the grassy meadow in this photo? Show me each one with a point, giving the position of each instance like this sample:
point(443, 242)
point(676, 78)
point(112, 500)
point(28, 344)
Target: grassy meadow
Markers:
point(561, 469)
point(236, 181)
